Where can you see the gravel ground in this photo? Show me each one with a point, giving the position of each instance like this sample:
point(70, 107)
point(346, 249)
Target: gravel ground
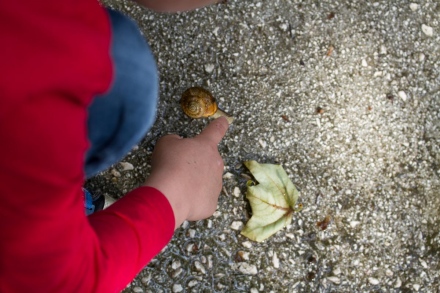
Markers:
point(346, 96)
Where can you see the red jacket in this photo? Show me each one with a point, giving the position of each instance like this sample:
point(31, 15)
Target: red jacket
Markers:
point(54, 59)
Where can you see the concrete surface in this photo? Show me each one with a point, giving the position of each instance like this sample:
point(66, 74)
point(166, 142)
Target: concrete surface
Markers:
point(345, 95)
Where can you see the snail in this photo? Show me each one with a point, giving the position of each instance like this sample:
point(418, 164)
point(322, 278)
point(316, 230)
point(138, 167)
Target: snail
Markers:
point(197, 102)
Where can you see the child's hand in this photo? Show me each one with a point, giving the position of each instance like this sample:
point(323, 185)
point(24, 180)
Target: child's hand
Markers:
point(189, 172)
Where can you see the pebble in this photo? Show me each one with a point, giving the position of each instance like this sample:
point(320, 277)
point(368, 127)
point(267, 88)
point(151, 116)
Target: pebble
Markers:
point(115, 173)
point(228, 175)
point(138, 290)
point(247, 244)
point(416, 287)
point(353, 224)
point(192, 233)
point(414, 6)
point(402, 95)
point(389, 273)
point(237, 192)
point(247, 269)
point(275, 261)
point(364, 63)
point(236, 225)
point(424, 264)
point(398, 283)
point(337, 271)
point(254, 290)
point(126, 166)
point(262, 143)
point(373, 281)
point(200, 267)
point(175, 265)
point(177, 288)
point(334, 280)
point(427, 30)
point(209, 68)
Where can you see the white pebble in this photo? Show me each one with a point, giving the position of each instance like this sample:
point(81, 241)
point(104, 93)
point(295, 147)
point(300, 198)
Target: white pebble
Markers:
point(364, 63)
point(247, 269)
point(275, 261)
point(373, 281)
point(383, 50)
point(200, 267)
point(416, 287)
point(237, 191)
point(337, 271)
point(192, 283)
point(402, 95)
point(254, 290)
point(421, 57)
point(424, 264)
point(228, 175)
point(389, 273)
point(115, 173)
point(177, 288)
point(126, 166)
point(427, 30)
point(398, 283)
point(175, 265)
point(236, 225)
point(192, 233)
point(247, 244)
point(209, 68)
point(284, 27)
point(414, 6)
point(215, 31)
point(262, 143)
point(138, 290)
point(353, 224)
point(334, 279)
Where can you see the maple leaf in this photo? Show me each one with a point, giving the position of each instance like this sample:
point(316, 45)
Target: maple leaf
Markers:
point(272, 201)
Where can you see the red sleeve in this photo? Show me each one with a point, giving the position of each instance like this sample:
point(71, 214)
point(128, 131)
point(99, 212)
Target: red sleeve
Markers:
point(53, 60)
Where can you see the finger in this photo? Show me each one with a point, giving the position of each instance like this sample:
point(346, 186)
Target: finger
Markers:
point(216, 130)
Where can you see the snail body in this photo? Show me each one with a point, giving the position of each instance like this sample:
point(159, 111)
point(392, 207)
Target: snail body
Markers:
point(197, 102)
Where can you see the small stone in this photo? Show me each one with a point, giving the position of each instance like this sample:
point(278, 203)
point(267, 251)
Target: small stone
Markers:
point(284, 27)
point(228, 175)
point(398, 283)
point(175, 265)
point(402, 95)
point(424, 264)
point(416, 287)
point(353, 224)
point(200, 267)
point(389, 273)
point(236, 225)
point(126, 166)
point(427, 30)
point(192, 233)
point(138, 290)
point(334, 280)
point(237, 192)
point(192, 283)
point(421, 57)
point(177, 288)
point(373, 281)
point(115, 173)
point(177, 272)
point(364, 63)
point(215, 31)
point(247, 244)
point(275, 261)
point(383, 50)
point(337, 271)
point(254, 290)
point(209, 68)
point(247, 269)
point(414, 6)
point(262, 143)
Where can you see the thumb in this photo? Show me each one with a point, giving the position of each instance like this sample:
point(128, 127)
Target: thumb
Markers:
point(216, 130)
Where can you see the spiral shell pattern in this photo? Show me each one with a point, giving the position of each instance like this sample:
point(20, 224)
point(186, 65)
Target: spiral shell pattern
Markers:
point(197, 102)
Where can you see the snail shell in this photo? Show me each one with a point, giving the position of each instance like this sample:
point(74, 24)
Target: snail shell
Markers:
point(197, 102)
